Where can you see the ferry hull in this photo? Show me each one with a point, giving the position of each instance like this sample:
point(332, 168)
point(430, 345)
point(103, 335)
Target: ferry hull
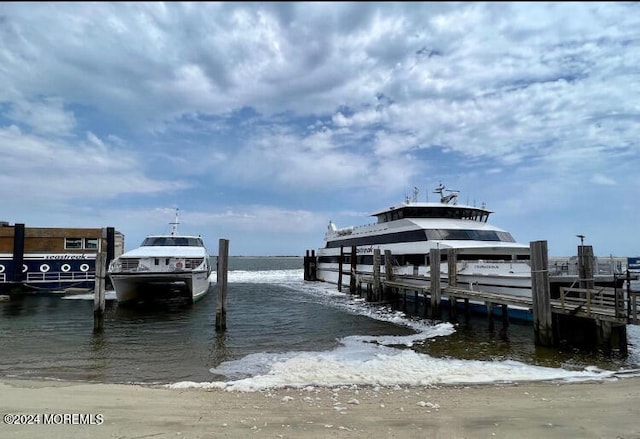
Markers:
point(516, 285)
point(131, 287)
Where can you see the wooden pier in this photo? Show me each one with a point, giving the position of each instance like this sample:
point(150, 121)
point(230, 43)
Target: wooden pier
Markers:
point(588, 315)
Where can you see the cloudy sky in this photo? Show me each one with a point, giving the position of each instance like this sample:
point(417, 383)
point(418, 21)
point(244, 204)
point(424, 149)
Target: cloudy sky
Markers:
point(263, 121)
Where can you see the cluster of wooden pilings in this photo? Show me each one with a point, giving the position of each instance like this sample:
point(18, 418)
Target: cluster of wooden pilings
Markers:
point(555, 321)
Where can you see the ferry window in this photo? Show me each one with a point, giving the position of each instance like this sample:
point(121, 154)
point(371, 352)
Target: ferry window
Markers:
point(72, 243)
point(434, 234)
point(91, 243)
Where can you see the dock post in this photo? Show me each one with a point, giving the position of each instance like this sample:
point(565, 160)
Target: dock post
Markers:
point(489, 306)
point(585, 266)
point(376, 275)
point(98, 290)
point(505, 316)
point(111, 244)
point(309, 264)
point(452, 267)
point(305, 266)
point(388, 269)
point(340, 261)
point(434, 271)
point(221, 302)
point(467, 311)
point(18, 252)
point(388, 266)
point(452, 280)
point(541, 295)
point(352, 279)
point(453, 305)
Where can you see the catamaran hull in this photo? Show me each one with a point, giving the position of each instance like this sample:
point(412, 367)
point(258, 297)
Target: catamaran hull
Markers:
point(130, 287)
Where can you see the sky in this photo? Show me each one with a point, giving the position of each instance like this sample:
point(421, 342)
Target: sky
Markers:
point(261, 122)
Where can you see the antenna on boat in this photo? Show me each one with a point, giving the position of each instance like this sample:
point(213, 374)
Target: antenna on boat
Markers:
point(446, 198)
point(415, 194)
point(174, 225)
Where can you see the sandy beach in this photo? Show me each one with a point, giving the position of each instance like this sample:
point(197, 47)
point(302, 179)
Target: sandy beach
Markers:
point(608, 409)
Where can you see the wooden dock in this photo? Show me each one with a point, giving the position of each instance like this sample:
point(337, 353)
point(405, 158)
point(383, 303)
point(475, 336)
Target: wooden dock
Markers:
point(589, 314)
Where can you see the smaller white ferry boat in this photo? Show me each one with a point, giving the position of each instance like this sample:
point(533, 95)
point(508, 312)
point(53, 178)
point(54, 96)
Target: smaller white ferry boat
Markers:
point(163, 267)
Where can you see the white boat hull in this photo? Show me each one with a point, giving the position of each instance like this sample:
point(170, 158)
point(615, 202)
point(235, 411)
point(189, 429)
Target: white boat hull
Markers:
point(131, 287)
point(517, 286)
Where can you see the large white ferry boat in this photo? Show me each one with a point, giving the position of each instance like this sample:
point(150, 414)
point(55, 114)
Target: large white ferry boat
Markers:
point(488, 258)
point(163, 267)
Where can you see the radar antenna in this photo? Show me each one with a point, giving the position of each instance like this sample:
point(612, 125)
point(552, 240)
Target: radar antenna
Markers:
point(445, 199)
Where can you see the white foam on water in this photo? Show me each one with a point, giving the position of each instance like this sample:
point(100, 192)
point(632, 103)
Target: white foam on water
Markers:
point(373, 360)
point(108, 295)
point(360, 362)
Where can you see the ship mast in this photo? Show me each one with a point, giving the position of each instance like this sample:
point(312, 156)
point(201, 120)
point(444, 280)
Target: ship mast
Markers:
point(174, 225)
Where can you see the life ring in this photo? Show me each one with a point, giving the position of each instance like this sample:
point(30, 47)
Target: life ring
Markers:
point(44, 268)
point(1, 268)
point(84, 267)
point(65, 267)
point(25, 268)
point(179, 264)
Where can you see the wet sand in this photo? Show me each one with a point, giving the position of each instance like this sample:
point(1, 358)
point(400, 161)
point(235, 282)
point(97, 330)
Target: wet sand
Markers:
point(609, 409)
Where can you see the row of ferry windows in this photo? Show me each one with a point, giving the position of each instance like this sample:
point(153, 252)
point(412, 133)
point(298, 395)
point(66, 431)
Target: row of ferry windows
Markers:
point(435, 212)
point(81, 243)
point(426, 235)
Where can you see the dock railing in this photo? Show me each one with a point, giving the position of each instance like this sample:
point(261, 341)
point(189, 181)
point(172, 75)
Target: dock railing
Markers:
point(593, 302)
point(60, 276)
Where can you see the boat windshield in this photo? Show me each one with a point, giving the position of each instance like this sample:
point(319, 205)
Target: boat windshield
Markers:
point(180, 241)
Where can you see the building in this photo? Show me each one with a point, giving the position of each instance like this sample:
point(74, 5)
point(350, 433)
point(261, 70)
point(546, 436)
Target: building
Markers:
point(47, 258)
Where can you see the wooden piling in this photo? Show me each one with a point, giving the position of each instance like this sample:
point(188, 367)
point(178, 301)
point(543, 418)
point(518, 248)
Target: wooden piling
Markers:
point(388, 271)
point(222, 268)
point(340, 262)
point(585, 266)
point(489, 306)
point(98, 290)
point(505, 315)
point(453, 308)
point(18, 252)
point(452, 267)
point(541, 295)
point(376, 275)
point(434, 271)
point(353, 278)
point(309, 264)
point(452, 280)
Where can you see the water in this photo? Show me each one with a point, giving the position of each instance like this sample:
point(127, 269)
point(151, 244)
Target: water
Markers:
point(280, 331)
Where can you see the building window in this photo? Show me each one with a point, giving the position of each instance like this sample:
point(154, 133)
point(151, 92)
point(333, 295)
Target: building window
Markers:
point(73, 243)
point(91, 243)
